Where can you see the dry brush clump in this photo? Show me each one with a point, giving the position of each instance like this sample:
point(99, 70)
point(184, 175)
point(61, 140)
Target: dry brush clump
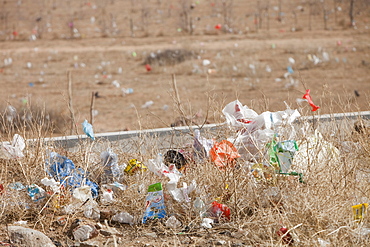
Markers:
point(316, 209)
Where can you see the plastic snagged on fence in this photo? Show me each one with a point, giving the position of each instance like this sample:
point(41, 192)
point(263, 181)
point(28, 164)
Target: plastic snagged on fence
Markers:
point(255, 131)
point(14, 149)
point(63, 170)
point(88, 129)
point(154, 206)
point(307, 96)
point(109, 161)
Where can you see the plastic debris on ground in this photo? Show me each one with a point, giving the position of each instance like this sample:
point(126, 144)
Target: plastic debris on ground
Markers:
point(173, 223)
point(359, 212)
point(36, 192)
point(63, 170)
point(176, 158)
point(13, 150)
point(112, 171)
point(219, 211)
point(124, 218)
point(154, 206)
point(84, 232)
point(224, 154)
point(317, 151)
point(135, 166)
point(207, 223)
point(201, 146)
point(286, 237)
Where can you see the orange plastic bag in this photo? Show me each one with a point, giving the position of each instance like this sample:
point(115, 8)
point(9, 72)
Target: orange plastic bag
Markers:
point(223, 154)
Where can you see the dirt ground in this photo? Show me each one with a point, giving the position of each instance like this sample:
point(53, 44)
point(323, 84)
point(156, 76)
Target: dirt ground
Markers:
point(247, 65)
point(106, 57)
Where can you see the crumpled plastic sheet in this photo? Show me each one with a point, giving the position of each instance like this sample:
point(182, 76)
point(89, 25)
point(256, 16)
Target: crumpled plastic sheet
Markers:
point(109, 161)
point(64, 170)
point(254, 131)
point(315, 150)
point(13, 150)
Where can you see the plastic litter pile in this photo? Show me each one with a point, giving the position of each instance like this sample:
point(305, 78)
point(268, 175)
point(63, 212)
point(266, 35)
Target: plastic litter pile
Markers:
point(262, 146)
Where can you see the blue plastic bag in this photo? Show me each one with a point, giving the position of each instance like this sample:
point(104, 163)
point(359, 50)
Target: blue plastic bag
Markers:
point(64, 170)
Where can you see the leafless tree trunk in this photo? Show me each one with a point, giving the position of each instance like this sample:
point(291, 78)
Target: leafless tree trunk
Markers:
point(280, 12)
point(351, 10)
point(325, 15)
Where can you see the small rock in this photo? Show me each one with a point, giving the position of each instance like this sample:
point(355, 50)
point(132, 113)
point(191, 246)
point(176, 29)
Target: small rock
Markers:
point(220, 242)
point(150, 234)
point(109, 232)
point(26, 237)
point(90, 243)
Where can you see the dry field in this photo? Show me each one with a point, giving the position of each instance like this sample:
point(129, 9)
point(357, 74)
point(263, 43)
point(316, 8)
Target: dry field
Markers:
point(103, 48)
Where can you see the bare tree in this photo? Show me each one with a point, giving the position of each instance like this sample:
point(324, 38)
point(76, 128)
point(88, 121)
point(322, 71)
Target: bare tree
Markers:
point(227, 9)
point(351, 12)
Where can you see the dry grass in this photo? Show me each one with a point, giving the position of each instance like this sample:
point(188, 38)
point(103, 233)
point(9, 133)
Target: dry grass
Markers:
point(319, 208)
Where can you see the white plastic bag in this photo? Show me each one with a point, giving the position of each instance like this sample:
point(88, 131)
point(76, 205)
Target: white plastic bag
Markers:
point(13, 150)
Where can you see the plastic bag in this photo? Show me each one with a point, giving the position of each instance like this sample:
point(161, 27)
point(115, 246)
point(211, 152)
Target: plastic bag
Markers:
point(112, 171)
point(223, 154)
point(64, 171)
point(201, 146)
point(160, 169)
point(88, 129)
point(13, 150)
point(154, 206)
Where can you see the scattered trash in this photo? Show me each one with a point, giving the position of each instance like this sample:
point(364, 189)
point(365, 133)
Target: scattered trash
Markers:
point(206, 62)
point(13, 150)
point(175, 157)
point(55, 186)
point(147, 104)
point(218, 26)
point(84, 232)
point(22, 236)
point(291, 60)
point(286, 237)
point(224, 154)
point(307, 96)
point(199, 207)
point(359, 212)
point(219, 211)
point(173, 223)
point(35, 192)
point(106, 196)
point(124, 218)
point(112, 171)
point(154, 206)
point(116, 84)
point(134, 166)
point(148, 67)
point(88, 129)
point(126, 91)
point(206, 223)
point(290, 70)
point(64, 171)
point(323, 243)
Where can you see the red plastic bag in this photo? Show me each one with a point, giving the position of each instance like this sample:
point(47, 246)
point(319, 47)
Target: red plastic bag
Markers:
point(223, 154)
point(307, 96)
point(220, 210)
